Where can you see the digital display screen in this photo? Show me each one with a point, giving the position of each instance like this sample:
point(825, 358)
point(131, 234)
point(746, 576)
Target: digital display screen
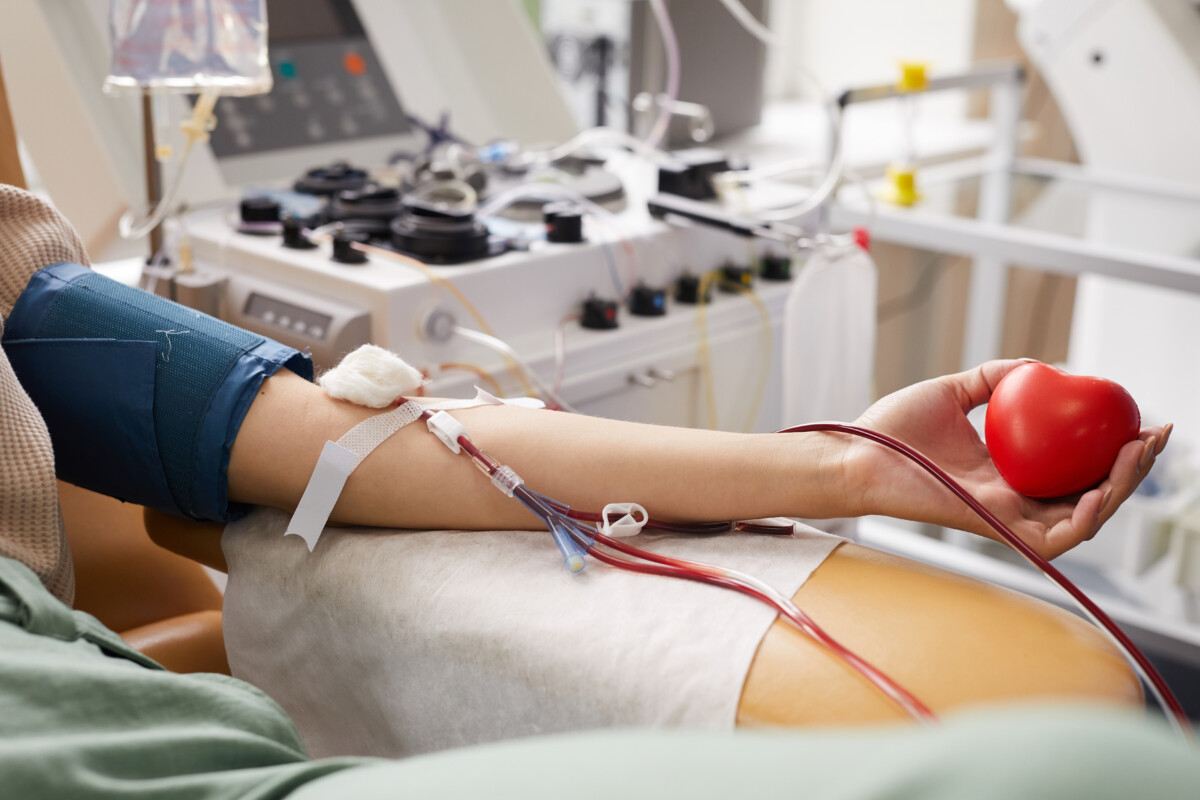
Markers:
point(311, 20)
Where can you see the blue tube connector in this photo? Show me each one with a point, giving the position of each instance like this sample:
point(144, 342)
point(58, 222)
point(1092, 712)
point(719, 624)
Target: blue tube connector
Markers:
point(572, 553)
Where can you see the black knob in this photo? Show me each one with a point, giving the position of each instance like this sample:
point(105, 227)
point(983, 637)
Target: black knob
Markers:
point(734, 278)
point(259, 209)
point(343, 253)
point(687, 290)
point(435, 232)
point(645, 301)
point(293, 234)
point(564, 222)
point(598, 314)
point(369, 207)
point(370, 193)
point(329, 180)
point(776, 268)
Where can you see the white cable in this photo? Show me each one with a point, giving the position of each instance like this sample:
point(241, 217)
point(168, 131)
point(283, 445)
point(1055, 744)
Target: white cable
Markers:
point(545, 192)
point(671, 46)
point(129, 226)
point(601, 135)
point(646, 147)
point(549, 192)
point(726, 181)
point(502, 347)
point(323, 232)
point(429, 192)
point(751, 23)
point(828, 184)
point(196, 129)
point(745, 176)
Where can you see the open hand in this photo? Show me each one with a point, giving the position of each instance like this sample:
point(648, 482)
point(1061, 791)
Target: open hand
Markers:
point(931, 416)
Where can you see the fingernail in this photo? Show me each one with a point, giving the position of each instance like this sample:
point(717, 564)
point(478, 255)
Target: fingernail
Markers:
point(1104, 501)
point(1147, 453)
point(1166, 434)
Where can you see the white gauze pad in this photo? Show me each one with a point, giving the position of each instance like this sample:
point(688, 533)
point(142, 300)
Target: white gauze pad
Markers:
point(370, 376)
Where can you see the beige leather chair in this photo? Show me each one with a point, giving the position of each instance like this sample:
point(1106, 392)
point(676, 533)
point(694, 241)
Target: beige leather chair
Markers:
point(163, 604)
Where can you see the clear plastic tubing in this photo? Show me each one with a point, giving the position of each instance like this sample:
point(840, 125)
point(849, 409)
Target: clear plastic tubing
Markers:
point(671, 46)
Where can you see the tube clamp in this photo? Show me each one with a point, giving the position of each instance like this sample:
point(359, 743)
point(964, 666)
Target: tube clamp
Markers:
point(448, 429)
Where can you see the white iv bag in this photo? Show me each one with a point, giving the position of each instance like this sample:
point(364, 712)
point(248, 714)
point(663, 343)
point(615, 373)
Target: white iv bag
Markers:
point(188, 46)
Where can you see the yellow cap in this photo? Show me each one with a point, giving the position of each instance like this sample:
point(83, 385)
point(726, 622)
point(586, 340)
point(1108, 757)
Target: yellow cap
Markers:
point(913, 76)
point(902, 186)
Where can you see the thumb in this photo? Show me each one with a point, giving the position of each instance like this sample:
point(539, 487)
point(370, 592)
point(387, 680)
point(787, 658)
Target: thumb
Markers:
point(975, 386)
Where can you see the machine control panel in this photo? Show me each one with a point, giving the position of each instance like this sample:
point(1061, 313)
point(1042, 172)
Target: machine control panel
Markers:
point(330, 86)
point(311, 323)
point(288, 316)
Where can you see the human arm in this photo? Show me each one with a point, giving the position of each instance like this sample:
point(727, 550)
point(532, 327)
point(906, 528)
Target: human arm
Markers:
point(412, 480)
point(679, 474)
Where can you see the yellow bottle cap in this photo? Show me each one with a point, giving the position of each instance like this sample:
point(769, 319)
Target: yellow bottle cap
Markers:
point(902, 186)
point(914, 76)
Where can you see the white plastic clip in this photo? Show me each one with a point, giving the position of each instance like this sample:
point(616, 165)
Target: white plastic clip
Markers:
point(630, 523)
point(448, 429)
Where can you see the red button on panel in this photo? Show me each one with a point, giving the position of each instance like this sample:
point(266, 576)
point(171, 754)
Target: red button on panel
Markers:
point(354, 64)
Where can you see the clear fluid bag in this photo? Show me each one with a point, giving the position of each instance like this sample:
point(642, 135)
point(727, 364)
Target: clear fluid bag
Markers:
point(188, 46)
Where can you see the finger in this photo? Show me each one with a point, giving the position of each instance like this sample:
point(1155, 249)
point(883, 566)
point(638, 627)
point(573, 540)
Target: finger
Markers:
point(975, 386)
point(1133, 463)
point(1082, 525)
point(1124, 475)
point(1149, 451)
point(1104, 509)
point(1153, 430)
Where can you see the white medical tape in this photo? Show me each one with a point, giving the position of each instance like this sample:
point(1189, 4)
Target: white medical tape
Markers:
point(364, 437)
point(338, 460)
point(483, 398)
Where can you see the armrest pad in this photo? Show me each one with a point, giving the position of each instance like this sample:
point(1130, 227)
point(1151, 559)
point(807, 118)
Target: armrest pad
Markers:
point(199, 541)
point(188, 643)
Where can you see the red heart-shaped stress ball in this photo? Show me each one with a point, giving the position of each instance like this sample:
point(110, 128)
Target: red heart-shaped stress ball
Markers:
point(1052, 434)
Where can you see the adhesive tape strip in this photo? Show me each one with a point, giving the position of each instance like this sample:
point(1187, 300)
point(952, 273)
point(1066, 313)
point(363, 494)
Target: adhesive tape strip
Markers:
point(338, 460)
